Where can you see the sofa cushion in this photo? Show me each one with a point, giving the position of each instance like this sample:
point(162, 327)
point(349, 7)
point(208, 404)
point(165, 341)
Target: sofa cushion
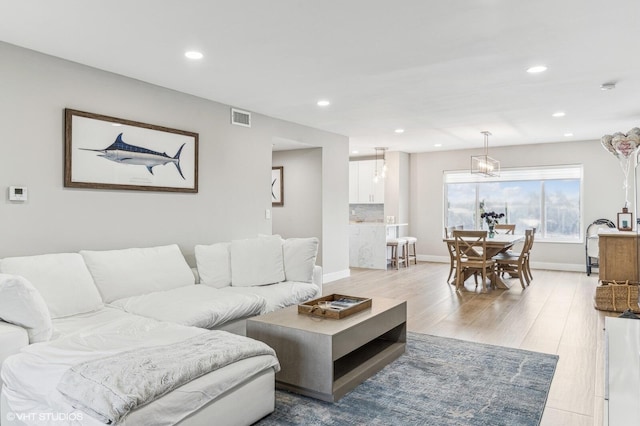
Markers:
point(256, 261)
point(279, 295)
point(194, 305)
point(62, 279)
point(21, 304)
point(135, 271)
point(214, 264)
point(300, 258)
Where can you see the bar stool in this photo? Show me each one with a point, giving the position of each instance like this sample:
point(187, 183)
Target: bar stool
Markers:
point(411, 254)
point(398, 245)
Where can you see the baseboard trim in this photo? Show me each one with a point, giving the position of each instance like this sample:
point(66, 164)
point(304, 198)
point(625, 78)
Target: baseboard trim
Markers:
point(335, 276)
point(570, 267)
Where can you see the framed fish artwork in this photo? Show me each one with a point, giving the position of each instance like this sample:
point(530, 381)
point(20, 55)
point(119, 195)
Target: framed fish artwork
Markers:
point(112, 153)
point(277, 186)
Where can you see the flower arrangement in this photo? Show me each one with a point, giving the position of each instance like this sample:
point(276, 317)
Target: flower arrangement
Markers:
point(491, 217)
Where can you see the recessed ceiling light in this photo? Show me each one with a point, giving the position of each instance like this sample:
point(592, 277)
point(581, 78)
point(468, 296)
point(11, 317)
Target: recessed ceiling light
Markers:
point(116, 124)
point(192, 54)
point(399, 130)
point(608, 86)
point(568, 135)
point(437, 145)
point(323, 103)
point(537, 69)
point(355, 151)
point(558, 114)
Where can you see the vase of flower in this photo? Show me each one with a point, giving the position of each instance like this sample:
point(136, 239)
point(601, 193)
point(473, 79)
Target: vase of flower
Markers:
point(492, 218)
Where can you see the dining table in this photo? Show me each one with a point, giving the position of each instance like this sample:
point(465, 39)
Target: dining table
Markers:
point(497, 244)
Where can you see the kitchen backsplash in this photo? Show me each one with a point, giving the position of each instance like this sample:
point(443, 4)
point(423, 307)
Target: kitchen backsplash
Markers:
point(366, 212)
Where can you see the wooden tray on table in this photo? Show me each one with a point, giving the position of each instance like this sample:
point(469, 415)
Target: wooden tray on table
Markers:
point(334, 306)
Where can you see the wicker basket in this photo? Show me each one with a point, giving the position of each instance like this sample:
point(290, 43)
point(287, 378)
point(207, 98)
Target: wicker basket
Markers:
point(617, 296)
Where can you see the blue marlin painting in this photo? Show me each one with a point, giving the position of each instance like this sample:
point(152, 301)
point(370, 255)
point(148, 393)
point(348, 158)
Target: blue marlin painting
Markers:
point(123, 153)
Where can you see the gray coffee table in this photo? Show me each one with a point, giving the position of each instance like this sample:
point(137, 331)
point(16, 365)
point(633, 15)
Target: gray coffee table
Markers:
point(325, 358)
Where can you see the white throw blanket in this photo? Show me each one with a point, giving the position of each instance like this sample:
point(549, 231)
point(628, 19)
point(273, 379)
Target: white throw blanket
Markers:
point(109, 388)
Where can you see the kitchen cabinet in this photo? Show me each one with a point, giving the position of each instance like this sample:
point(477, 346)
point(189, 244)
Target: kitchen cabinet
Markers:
point(362, 188)
point(353, 182)
point(618, 255)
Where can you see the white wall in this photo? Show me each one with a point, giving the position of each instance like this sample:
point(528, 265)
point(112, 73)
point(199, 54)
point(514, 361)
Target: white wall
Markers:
point(234, 167)
point(396, 188)
point(603, 195)
point(301, 214)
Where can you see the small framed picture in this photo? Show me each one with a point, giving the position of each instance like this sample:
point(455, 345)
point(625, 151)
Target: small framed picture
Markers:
point(277, 186)
point(625, 221)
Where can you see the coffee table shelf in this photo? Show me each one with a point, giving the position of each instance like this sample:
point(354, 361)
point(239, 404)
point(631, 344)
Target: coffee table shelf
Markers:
point(326, 358)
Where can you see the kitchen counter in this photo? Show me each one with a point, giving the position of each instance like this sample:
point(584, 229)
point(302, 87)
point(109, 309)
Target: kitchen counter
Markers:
point(368, 243)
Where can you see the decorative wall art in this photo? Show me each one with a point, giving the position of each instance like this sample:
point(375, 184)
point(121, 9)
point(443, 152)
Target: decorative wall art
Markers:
point(277, 186)
point(112, 153)
point(625, 220)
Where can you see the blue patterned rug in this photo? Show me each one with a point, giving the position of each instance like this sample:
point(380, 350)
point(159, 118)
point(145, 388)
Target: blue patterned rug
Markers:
point(438, 381)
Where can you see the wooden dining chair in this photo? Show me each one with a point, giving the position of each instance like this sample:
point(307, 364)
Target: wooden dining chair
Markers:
point(505, 228)
point(516, 264)
point(527, 263)
point(451, 248)
point(448, 231)
point(471, 257)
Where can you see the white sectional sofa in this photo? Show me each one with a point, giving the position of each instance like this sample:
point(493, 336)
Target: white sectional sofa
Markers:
point(61, 310)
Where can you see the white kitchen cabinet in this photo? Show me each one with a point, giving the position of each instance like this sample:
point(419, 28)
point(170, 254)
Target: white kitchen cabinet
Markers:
point(353, 182)
point(362, 188)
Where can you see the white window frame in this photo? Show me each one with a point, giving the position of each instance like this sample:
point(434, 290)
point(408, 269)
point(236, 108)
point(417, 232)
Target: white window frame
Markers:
point(538, 173)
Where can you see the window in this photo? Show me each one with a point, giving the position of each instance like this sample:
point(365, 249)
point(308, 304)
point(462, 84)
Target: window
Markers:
point(545, 198)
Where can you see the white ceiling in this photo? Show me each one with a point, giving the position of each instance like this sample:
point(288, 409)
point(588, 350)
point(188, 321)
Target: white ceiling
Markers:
point(443, 70)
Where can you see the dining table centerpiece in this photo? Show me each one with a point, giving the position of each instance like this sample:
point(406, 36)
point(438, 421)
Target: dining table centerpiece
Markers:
point(492, 218)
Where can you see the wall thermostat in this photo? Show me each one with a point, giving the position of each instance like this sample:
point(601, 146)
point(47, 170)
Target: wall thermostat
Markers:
point(17, 193)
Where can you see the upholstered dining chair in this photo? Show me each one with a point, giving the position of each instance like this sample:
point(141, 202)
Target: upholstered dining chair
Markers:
point(505, 228)
point(517, 264)
point(471, 257)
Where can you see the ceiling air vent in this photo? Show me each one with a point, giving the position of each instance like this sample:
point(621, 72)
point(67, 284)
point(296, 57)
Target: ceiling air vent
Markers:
point(240, 118)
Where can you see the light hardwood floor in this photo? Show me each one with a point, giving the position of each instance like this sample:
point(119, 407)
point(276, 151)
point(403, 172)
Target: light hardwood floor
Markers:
point(553, 315)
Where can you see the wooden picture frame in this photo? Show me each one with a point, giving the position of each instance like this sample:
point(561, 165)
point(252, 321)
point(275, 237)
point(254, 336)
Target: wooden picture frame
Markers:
point(103, 152)
point(625, 221)
point(277, 186)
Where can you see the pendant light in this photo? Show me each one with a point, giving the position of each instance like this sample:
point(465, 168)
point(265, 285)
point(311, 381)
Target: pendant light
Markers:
point(483, 164)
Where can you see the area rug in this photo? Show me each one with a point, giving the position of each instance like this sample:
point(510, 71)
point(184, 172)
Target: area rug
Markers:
point(438, 381)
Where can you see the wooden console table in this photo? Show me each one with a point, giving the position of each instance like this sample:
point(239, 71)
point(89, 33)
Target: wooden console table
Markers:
point(619, 254)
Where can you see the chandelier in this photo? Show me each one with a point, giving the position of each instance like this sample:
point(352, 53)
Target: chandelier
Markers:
point(483, 164)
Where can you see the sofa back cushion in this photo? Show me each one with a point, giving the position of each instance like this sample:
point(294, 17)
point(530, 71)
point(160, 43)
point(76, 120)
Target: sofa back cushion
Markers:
point(214, 264)
point(256, 261)
point(21, 304)
point(61, 278)
point(300, 258)
point(135, 271)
